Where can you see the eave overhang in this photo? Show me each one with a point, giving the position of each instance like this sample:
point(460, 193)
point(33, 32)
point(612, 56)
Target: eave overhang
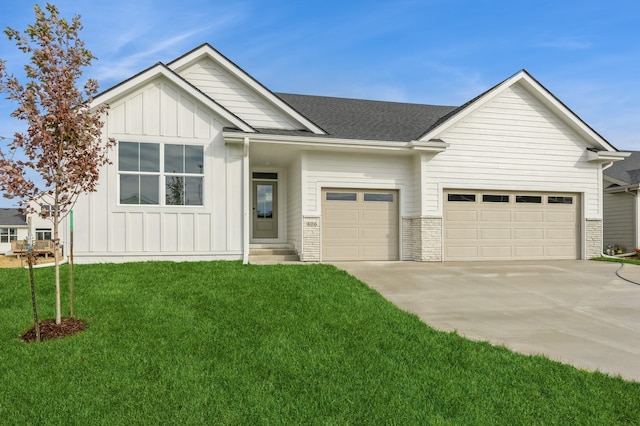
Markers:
point(235, 137)
point(594, 156)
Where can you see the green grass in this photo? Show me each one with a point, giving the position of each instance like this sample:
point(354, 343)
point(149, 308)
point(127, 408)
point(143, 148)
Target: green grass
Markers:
point(618, 260)
point(219, 343)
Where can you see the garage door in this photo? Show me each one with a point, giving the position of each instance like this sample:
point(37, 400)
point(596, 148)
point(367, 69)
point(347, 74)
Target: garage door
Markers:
point(490, 225)
point(359, 224)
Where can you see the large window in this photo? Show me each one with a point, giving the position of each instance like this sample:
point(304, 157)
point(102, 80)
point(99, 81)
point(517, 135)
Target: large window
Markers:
point(8, 234)
point(143, 166)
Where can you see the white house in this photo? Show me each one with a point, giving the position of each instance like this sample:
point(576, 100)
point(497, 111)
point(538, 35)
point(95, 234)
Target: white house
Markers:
point(210, 163)
point(14, 226)
point(622, 204)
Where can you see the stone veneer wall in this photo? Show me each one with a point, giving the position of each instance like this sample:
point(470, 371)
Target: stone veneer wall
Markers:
point(422, 239)
point(310, 239)
point(593, 238)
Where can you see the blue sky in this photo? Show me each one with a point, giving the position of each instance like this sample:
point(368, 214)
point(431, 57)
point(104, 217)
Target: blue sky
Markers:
point(443, 52)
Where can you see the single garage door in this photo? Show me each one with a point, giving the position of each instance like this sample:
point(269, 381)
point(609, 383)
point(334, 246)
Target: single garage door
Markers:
point(493, 225)
point(359, 224)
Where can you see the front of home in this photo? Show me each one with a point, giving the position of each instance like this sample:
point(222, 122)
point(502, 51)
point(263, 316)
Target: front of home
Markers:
point(210, 163)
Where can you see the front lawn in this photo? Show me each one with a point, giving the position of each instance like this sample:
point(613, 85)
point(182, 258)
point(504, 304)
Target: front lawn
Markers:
point(222, 343)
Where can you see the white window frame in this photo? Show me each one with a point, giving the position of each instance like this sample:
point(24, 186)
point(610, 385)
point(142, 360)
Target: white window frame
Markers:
point(8, 234)
point(162, 175)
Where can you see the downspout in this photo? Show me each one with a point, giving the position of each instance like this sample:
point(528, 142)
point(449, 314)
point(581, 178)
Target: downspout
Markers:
point(245, 202)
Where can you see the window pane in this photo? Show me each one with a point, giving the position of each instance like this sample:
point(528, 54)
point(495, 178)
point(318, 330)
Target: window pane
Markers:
point(174, 158)
point(149, 190)
point(43, 234)
point(149, 157)
point(193, 159)
point(135, 189)
point(174, 190)
point(265, 201)
point(128, 157)
point(193, 191)
point(530, 199)
point(468, 198)
point(341, 196)
point(129, 189)
point(379, 197)
point(488, 198)
point(560, 200)
point(261, 175)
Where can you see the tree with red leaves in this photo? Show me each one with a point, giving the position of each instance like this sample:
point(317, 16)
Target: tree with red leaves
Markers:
point(62, 144)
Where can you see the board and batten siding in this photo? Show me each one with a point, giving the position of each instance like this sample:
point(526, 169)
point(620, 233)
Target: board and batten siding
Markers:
point(358, 171)
point(294, 204)
point(231, 93)
point(108, 231)
point(620, 220)
point(511, 143)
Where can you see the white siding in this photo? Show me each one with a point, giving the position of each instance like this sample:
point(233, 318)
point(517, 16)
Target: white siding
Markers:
point(107, 231)
point(386, 171)
point(294, 204)
point(231, 93)
point(512, 143)
point(160, 110)
point(620, 220)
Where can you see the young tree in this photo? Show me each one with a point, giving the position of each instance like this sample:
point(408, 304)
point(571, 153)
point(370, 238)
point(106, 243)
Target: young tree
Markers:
point(62, 144)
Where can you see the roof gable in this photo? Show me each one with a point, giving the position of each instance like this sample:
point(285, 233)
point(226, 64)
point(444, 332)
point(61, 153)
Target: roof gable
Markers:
point(539, 92)
point(228, 84)
point(162, 71)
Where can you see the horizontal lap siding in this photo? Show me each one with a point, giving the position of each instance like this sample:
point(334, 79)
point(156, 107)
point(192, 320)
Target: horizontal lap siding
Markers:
point(234, 95)
point(357, 171)
point(512, 143)
point(620, 220)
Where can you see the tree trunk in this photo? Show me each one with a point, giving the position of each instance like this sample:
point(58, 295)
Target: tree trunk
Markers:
point(56, 245)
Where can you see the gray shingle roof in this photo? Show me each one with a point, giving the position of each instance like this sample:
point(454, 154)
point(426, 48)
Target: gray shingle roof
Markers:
point(627, 170)
point(365, 119)
point(12, 217)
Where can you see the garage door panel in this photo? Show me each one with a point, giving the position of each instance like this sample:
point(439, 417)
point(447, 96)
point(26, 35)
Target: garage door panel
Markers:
point(461, 234)
point(495, 234)
point(561, 217)
point(528, 234)
point(495, 216)
point(497, 251)
point(461, 215)
point(342, 215)
point(528, 216)
point(364, 228)
point(342, 233)
point(502, 225)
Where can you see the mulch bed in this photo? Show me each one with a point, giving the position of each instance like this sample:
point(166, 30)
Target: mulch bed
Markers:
point(50, 330)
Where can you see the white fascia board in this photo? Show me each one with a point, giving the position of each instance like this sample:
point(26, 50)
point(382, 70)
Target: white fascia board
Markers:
point(624, 188)
point(606, 156)
point(207, 50)
point(429, 146)
point(318, 142)
point(160, 70)
point(615, 181)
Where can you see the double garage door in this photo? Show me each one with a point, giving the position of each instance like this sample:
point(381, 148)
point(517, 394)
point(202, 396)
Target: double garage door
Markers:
point(490, 225)
point(360, 224)
point(363, 224)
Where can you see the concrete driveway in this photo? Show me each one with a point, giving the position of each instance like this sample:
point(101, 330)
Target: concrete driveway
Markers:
point(576, 312)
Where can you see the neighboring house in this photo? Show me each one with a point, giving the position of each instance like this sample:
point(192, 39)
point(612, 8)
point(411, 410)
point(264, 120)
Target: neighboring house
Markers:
point(13, 226)
point(621, 204)
point(210, 163)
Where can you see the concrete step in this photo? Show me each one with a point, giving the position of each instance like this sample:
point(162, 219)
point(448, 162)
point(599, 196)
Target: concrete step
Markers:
point(272, 253)
point(273, 258)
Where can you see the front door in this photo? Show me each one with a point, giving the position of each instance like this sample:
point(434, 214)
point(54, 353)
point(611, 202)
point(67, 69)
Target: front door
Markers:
point(265, 209)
